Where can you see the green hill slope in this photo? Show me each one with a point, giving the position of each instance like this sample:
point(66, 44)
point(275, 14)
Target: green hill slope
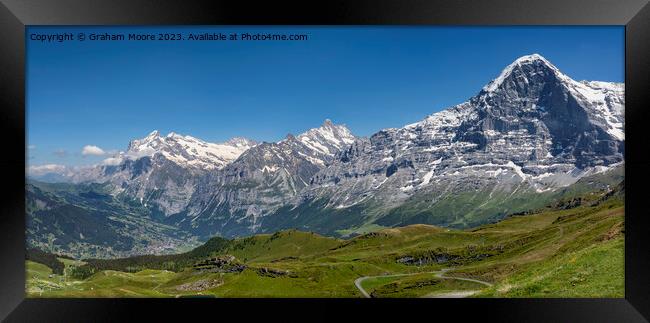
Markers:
point(573, 248)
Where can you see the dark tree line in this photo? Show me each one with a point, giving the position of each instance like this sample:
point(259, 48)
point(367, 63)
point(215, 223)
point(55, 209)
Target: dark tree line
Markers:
point(46, 259)
point(175, 262)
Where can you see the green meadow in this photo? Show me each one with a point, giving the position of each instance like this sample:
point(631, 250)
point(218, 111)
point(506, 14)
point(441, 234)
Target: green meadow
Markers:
point(552, 252)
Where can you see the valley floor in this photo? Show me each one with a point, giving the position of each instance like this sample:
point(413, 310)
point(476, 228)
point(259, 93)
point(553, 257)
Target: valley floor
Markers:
point(577, 252)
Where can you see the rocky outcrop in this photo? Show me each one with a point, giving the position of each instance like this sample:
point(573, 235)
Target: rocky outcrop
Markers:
point(221, 264)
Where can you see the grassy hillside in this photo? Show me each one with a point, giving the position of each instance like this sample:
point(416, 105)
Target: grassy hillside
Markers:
point(596, 271)
point(573, 248)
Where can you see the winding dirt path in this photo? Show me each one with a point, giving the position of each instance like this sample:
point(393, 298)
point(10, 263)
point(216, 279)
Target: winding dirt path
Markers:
point(438, 274)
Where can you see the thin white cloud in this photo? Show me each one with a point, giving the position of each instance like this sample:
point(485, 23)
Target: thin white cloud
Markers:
point(118, 157)
point(148, 151)
point(45, 169)
point(60, 153)
point(92, 150)
point(31, 147)
point(112, 161)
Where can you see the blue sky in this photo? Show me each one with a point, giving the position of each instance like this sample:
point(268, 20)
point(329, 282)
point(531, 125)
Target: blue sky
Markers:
point(106, 93)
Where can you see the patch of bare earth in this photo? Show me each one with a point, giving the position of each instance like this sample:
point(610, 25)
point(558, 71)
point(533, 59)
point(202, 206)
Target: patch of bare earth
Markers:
point(199, 285)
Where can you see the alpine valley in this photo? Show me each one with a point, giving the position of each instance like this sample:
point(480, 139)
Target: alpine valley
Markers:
point(530, 138)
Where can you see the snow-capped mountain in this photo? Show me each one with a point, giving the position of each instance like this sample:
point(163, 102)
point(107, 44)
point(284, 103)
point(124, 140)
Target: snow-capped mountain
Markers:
point(185, 151)
point(327, 140)
point(163, 171)
point(604, 102)
point(514, 146)
point(263, 179)
point(531, 130)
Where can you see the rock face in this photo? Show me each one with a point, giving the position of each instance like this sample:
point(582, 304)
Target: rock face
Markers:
point(531, 130)
point(217, 189)
point(510, 148)
point(164, 171)
point(263, 179)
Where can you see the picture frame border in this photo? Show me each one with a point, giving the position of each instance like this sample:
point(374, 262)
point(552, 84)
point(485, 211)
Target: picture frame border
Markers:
point(15, 15)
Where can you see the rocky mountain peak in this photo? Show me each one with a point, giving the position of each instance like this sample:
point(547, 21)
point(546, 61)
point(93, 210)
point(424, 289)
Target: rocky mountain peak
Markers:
point(531, 59)
point(328, 138)
point(532, 128)
point(532, 89)
point(187, 151)
point(151, 137)
point(529, 69)
point(240, 142)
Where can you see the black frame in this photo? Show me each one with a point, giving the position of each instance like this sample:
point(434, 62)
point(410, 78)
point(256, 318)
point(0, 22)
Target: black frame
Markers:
point(16, 14)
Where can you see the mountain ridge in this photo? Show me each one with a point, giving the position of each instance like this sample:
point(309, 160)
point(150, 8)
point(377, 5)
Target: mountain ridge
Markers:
point(509, 138)
point(524, 136)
